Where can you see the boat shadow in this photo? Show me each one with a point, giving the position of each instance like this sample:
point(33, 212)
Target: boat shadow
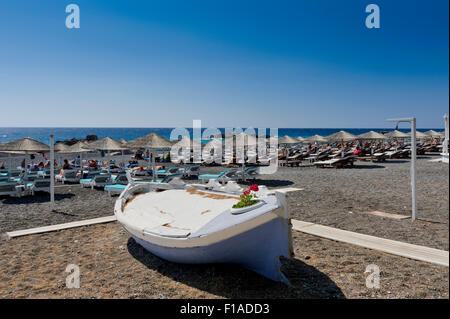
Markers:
point(234, 281)
point(366, 166)
point(267, 182)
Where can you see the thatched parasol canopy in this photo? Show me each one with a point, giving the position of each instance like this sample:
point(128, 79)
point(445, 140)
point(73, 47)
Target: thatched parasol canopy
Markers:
point(287, 140)
point(341, 136)
point(25, 145)
point(419, 135)
point(372, 135)
point(396, 134)
point(62, 148)
point(316, 138)
point(79, 147)
point(106, 144)
point(432, 133)
point(186, 142)
point(152, 140)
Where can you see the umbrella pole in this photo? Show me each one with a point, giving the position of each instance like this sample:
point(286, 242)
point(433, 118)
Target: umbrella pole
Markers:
point(153, 165)
point(10, 164)
point(25, 164)
point(107, 161)
point(52, 174)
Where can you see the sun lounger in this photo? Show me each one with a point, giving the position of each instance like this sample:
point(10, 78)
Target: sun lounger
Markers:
point(120, 183)
point(10, 188)
point(223, 177)
point(70, 176)
point(336, 162)
point(168, 171)
point(121, 178)
point(191, 170)
point(99, 180)
point(250, 172)
point(39, 185)
point(115, 188)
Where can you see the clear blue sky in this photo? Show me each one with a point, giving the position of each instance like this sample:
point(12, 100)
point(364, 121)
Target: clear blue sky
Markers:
point(229, 63)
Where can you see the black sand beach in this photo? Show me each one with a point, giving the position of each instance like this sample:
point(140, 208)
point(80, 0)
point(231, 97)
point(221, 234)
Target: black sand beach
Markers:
point(33, 266)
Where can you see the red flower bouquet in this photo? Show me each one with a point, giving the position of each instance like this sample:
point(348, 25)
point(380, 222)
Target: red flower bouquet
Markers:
point(247, 198)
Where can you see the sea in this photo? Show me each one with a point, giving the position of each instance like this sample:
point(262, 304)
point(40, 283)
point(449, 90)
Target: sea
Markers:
point(42, 134)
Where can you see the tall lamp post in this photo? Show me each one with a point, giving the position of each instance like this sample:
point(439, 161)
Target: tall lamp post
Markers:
point(411, 120)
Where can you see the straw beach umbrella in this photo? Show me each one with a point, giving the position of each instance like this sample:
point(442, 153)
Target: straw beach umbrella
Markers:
point(28, 145)
point(79, 147)
point(186, 144)
point(107, 144)
point(287, 140)
point(300, 139)
point(432, 133)
point(24, 145)
point(341, 136)
point(371, 136)
point(419, 135)
point(151, 141)
point(316, 138)
point(396, 134)
point(61, 148)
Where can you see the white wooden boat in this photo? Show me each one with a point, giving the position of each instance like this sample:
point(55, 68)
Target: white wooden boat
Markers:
point(193, 225)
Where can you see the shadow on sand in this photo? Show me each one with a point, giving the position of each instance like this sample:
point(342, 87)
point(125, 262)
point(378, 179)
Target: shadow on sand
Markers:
point(233, 281)
point(39, 197)
point(365, 166)
point(267, 182)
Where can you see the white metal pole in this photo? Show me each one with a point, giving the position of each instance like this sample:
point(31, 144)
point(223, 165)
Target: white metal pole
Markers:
point(52, 174)
point(413, 167)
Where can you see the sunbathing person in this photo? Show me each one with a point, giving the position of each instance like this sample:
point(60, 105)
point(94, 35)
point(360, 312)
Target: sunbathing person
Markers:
point(66, 165)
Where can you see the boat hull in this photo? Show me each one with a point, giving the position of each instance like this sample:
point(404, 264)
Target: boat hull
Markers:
point(258, 249)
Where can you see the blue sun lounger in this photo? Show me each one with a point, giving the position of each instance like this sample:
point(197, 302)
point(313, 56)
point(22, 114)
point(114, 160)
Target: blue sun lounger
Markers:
point(223, 177)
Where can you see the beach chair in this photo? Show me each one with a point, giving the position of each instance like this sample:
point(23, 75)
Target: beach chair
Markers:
point(10, 188)
point(99, 180)
point(39, 185)
point(119, 185)
point(250, 172)
point(15, 173)
point(337, 162)
point(69, 176)
point(168, 178)
point(46, 172)
point(191, 170)
point(121, 178)
point(222, 177)
point(168, 171)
